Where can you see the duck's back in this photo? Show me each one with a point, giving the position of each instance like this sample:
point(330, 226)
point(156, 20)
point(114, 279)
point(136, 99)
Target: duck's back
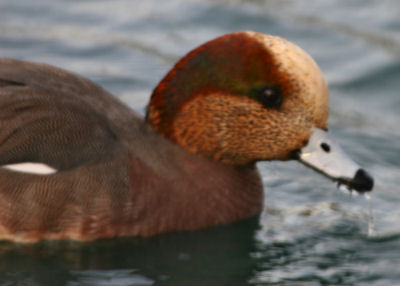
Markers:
point(69, 118)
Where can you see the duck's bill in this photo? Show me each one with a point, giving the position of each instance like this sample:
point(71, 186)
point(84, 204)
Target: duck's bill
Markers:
point(324, 154)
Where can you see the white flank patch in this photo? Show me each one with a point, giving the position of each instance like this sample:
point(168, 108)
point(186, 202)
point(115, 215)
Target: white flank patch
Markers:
point(31, 168)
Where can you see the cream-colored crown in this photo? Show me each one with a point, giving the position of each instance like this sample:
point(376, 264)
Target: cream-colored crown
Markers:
point(295, 62)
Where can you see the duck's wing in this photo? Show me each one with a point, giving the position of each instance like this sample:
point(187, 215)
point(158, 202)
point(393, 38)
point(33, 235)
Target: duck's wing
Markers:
point(51, 116)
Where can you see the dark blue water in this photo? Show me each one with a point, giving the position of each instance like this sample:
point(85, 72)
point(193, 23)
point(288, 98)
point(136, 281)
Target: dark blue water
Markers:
point(309, 233)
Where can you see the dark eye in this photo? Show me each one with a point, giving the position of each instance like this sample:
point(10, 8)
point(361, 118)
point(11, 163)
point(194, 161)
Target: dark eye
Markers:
point(270, 97)
point(325, 147)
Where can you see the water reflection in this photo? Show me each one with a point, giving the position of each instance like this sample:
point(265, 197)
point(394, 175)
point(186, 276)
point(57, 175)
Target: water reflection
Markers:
point(216, 256)
point(109, 278)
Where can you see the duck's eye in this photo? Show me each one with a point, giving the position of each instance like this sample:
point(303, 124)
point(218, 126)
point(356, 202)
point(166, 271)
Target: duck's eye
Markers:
point(325, 147)
point(270, 97)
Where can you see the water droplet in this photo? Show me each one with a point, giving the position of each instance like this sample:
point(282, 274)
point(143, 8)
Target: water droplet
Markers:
point(371, 223)
point(344, 189)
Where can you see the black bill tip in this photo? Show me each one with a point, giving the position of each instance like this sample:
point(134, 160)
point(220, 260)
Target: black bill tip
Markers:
point(362, 182)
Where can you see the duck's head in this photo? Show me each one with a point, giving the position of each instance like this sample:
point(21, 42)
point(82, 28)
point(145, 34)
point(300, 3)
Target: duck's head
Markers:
point(246, 97)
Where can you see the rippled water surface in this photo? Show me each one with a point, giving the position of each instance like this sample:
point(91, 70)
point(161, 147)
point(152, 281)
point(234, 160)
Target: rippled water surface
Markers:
point(309, 233)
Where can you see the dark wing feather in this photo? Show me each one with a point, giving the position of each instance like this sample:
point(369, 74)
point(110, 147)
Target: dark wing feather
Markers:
point(55, 117)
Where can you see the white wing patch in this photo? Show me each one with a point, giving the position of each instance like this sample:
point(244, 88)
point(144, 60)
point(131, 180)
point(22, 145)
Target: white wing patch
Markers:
point(31, 168)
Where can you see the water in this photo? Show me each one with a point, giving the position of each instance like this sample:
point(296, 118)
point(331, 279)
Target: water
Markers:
point(309, 233)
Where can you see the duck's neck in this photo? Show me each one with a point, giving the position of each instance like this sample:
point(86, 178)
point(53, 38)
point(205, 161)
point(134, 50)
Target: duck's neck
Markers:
point(220, 198)
point(210, 193)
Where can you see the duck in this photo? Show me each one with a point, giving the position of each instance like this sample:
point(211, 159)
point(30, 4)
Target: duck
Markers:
point(79, 164)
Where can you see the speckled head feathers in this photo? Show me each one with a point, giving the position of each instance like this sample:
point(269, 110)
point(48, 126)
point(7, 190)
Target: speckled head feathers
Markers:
point(241, 98)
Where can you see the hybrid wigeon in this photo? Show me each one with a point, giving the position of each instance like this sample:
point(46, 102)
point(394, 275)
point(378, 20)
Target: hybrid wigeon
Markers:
point(79, 164)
